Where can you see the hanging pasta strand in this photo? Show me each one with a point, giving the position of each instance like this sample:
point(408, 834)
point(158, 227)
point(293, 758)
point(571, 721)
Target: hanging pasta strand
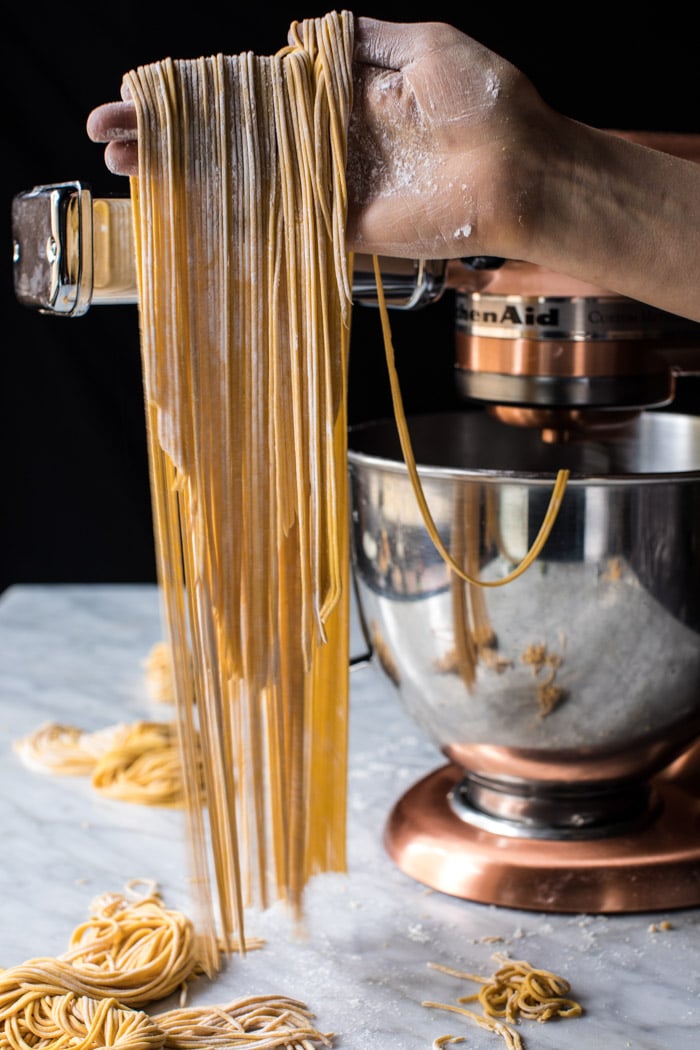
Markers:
point(409, 459)
point(245, 296)
point(240, 210)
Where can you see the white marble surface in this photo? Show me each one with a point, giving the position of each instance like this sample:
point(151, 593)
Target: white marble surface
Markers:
point(75, 654)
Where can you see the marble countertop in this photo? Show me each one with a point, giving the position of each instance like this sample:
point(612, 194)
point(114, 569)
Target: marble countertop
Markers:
point(76, 654)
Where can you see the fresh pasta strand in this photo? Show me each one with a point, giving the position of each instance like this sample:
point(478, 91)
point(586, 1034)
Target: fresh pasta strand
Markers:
point(244, 309)
point(510, 1037)
point(409, 459)
point(245, 302)
point(516, 991)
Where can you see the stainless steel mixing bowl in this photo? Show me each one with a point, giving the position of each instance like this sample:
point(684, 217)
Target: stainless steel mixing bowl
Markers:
point(563, 692)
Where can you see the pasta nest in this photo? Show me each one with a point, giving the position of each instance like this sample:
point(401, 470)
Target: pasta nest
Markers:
point(45, 1021)
point(136, 951)
point(136, 762)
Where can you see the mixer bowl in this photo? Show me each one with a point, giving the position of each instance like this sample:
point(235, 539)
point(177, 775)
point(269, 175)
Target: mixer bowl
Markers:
point(560, 694)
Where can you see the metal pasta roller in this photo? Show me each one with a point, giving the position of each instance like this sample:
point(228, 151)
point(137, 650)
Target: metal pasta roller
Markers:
point(72, 251)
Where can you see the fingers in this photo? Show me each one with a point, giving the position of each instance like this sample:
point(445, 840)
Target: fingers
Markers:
point(112, 122)
point(122, 158)
point(115, 124)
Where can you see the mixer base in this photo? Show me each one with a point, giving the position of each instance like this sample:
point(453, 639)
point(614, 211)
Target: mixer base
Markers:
point(655, 868)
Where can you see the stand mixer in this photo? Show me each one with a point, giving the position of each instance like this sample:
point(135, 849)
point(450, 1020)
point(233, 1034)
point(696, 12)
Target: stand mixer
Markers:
point(566, 703)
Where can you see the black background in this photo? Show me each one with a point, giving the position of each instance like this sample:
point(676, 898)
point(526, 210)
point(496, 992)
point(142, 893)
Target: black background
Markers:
point(75, 504)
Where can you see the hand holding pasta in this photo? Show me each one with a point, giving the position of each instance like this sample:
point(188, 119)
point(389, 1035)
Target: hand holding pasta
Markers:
point(433, 113)
point(452, 152)
point(435, 144)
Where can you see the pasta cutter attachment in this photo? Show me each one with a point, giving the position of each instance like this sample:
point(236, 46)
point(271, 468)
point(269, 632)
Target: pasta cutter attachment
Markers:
point(72, 251)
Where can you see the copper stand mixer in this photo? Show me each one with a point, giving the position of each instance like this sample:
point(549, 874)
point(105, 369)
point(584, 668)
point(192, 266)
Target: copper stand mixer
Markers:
point(595, 809)
point(577, 789)
point(567, 703)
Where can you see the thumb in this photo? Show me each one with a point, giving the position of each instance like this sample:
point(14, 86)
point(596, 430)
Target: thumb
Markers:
point(387, 45)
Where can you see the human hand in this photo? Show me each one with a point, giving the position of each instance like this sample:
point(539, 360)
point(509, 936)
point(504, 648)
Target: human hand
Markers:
point(436, 153)
point(439, 141)
point(114, 123)
point(452, 153)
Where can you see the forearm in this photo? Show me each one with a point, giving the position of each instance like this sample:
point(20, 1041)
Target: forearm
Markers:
point(620, 215)
point(453, 153)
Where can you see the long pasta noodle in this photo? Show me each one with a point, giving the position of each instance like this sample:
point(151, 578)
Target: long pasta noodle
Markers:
point(245, 303)
point(409, 459)
point(515, 991)
point(511, 1038)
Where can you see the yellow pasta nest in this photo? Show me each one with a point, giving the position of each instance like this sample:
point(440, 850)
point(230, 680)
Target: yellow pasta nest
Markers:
point(65, 750)
point(132, 948)
point(160, 674)
point(44, 1021)
point(262, 1020)
point(130, 952)
point(145, 767)
point(516, 991)
point(138, 762)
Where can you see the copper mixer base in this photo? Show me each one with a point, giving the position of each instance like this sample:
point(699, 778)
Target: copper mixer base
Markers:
point(648, 870)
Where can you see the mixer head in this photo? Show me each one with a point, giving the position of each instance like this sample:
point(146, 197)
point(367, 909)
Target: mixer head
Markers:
point(542, 350)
